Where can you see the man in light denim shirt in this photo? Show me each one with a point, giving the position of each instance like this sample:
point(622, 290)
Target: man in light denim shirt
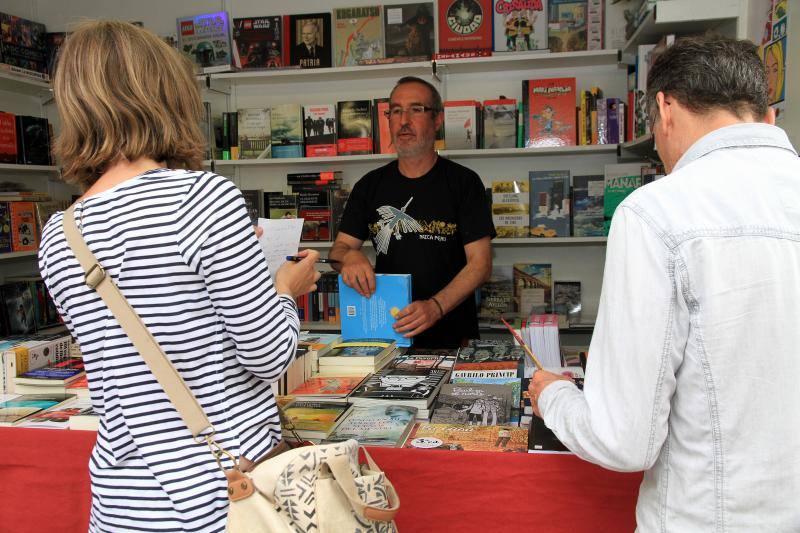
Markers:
point(694, 364)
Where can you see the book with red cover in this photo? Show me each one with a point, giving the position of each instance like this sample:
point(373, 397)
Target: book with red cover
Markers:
point(549, 112)
point(465, 25)
point(8, 138)
point(380, 127)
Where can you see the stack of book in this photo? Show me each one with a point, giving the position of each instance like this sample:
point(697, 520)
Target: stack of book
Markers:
point(19, 355)
point(487, 359)
point(15, 410)
point(400, 386)
point(356, 357)
point(52, 379)
point(312, 420)
point(333, 389)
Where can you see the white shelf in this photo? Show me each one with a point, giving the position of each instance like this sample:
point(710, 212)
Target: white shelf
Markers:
point(681, 17)
point(643, 146)
point(17, 255)
point(20, 83)
point(530, 61)
point(320, 326)
point(10, 168)
point(477, 65)
point(451, 154)
point(552, 241)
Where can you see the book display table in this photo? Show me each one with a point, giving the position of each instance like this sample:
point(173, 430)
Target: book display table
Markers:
point(44, 486)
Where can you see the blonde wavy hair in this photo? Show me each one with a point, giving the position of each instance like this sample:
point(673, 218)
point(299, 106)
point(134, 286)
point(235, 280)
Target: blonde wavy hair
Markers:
point(123, 93)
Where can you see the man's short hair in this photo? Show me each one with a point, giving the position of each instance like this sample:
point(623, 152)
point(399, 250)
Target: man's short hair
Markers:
point(436, 98)
point(708, 73)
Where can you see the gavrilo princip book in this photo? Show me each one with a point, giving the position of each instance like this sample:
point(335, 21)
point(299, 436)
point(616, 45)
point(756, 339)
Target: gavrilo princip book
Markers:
point(358, 35)
point(258, 42)
point(465, 25)
point(549, 203)
point(520, 25)
point(205, 39)
point(549, 112)
point(473, 404)
point(375, 316)
point(378, 425)
point(469, 438)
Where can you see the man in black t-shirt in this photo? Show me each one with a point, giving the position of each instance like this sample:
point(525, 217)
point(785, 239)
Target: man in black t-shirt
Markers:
point(426, 216)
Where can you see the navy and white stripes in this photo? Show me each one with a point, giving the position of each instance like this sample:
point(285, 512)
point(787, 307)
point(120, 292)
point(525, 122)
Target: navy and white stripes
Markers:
point(181, 248)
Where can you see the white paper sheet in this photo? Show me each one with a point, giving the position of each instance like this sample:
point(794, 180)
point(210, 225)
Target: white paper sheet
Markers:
point(281, 237)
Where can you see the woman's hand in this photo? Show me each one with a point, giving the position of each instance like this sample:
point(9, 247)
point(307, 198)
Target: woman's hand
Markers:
point(298, 278)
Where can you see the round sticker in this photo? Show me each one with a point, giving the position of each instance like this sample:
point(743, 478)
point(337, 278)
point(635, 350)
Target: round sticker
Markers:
point(426, 442)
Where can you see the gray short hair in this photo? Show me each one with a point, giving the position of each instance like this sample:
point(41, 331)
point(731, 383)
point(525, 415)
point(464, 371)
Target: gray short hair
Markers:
point(710, 72)
point(436, 98)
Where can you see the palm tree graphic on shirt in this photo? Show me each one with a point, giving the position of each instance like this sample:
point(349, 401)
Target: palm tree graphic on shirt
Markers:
point(395, 221)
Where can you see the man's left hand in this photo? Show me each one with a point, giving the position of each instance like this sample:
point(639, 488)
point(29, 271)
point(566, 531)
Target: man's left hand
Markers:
point(417, 317)
point(540, 380)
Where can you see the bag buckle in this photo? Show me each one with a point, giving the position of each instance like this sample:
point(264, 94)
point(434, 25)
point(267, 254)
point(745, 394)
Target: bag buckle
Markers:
point(95, 275)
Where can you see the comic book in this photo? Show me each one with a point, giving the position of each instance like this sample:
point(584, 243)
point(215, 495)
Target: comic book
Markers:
point(358, 35)
point(520, 25)
point(258, 42)
point(474, 404)
point(549, 112)
point(205, 39)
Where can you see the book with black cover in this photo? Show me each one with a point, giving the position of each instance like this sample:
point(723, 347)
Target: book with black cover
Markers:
point(258, 42)
point(23, 43)
point(33, 140)
point(409, 31)
point(310, 40)
point(542, 439)
point(415, 388)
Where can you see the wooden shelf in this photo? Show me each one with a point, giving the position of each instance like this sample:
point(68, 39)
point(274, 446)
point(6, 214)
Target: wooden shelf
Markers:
point(18, 255)
point(21, 83)
point(681, 17)
point(9, 168)
point(450, 154)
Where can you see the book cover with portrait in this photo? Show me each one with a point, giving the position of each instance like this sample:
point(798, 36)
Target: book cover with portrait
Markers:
point(310, 40)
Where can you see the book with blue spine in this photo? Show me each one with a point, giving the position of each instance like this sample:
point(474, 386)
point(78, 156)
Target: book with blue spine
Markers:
point(374, 317)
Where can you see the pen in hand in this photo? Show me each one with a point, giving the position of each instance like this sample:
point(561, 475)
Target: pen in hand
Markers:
point(297, 259)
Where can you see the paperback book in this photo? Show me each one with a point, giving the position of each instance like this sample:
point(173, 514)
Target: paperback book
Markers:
point(23, 44)
point(13, 411)
point(549, 203)
point(255, 139)
point(33, 140)
point(319, 127)
point(286, 124)
point(280, 205)
point(423, 358)
point(497, 295)
point(567, 30)
point(354, 119)
point(549, 112)
point(533, 288)
point(377, 425)
point(8, 138)
point(500, 123)
point(313, 420)
point(587, 206)
point(358, 35)
point(620, 181)
point(461, 124)
point(474, 404)
point(374, 317)
point(330, 389)
point(470, 438)
point(415, 388)
point(310, 40)
point(511, 208)
point(380, 127)
point(567, 302)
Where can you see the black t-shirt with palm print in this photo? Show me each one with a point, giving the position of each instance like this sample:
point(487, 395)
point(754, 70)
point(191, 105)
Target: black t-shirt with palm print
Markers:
point(419, 226)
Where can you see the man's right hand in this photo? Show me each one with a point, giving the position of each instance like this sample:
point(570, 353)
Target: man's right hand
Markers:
point(357, 273)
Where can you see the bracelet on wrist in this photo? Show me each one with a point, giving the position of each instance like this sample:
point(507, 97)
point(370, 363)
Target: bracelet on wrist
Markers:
point(441, 309)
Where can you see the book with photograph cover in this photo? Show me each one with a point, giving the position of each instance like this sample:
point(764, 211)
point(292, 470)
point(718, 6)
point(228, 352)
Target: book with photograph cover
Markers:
point(310, 40)
point(286, 125)
point(206, 40)
point(465, 25)
point(567, 302)
point(549, 203)
point(314, 208)
point(567, 30)
point(533, 288)
point(23, 44)
point(319, 129)
point(520, 25)
point(354, 118)
point(15, 410)
point(473, 404)
point(461, 124)
point(487, 355)
point(514, 383)
point(587, 205)
point(258, 42)
point(378, 425)
point(280, 205)
point(313, 420)
point(254, 135)
point(358, 35)
point(470, 438)
point(409, 31)
point(497, 295)
point(500, 123)
point(549, 112)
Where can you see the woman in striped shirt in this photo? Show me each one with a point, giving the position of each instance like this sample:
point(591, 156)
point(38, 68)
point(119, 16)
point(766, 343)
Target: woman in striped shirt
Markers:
point(179, 244)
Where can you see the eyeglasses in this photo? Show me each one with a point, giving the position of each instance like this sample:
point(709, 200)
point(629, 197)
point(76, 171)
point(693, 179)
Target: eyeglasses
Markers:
point(413, 111)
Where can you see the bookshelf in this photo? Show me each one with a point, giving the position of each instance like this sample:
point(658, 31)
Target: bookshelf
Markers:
point(10, 256)
point(22, 84)
point(6, 168)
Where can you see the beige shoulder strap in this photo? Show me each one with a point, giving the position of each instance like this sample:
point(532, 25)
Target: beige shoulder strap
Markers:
point(161, 367)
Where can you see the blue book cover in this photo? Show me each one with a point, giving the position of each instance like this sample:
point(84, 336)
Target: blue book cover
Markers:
point(374, 317)
point(587, 206)
point(549, 205)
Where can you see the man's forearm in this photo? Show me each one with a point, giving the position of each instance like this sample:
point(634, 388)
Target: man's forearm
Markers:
point(337, 253)
point(469, 278)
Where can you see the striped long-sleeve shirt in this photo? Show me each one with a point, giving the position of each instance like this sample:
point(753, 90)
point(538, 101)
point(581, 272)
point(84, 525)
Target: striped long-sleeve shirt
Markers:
point(181, 248)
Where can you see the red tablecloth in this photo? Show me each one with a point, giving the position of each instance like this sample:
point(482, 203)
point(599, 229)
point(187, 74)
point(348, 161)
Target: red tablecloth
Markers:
point(44, 486)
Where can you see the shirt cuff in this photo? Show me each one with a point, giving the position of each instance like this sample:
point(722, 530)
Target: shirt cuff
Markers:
point(548, 396)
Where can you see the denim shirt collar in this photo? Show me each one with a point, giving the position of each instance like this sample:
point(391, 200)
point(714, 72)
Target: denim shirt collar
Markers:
point(748, 134)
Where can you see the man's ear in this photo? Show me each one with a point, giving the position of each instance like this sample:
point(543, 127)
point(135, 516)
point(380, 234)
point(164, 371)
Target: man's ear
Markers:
point(664, 108)
point(438, 120)
point(770, 117)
